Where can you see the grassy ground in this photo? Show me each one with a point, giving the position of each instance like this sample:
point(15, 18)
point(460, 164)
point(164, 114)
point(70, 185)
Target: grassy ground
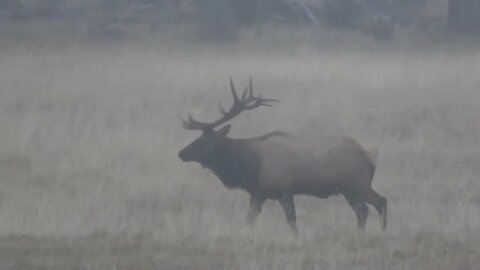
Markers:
point(90, 176)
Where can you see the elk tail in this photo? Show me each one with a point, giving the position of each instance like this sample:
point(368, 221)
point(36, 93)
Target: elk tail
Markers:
point(372, 155)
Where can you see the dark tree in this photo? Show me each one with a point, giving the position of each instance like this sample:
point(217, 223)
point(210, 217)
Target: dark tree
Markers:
point(464, 16)
point(216, 19)
point(245, 11)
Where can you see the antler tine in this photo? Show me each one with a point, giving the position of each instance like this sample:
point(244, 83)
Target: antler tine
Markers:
point(187, 124)
point(258, 101)
point(244, 94)
point(222, 110)
point(234, 92)
point(192, 124)
point(247, 102)
point(250, 85)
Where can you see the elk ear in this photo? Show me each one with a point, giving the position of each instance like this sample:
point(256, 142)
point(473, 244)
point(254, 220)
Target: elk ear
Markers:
point(224, 130)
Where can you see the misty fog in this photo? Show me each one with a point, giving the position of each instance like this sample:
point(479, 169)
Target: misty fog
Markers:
point(93, 95)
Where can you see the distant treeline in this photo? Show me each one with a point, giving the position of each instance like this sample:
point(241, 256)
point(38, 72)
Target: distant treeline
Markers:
point(223, 18)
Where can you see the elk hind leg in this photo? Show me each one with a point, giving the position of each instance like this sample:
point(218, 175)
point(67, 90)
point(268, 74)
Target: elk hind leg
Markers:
point(359, 207)
point(379, 202)
point(288, 206)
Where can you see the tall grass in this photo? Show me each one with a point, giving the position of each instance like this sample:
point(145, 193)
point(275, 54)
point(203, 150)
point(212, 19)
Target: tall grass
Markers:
point(90, 136)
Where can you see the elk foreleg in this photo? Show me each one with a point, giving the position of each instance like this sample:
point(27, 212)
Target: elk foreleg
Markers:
point(256, 203)
point(286, 201)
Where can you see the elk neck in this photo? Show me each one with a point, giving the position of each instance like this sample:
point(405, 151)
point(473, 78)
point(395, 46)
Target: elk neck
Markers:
point(236, 163)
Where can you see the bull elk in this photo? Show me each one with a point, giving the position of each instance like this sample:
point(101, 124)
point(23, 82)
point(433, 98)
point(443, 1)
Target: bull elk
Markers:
point(278, 166)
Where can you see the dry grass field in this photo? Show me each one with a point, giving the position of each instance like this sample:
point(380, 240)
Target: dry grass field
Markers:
point(90, 179)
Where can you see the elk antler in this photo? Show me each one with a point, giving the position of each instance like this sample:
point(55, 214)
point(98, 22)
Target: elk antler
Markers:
point(246, 102)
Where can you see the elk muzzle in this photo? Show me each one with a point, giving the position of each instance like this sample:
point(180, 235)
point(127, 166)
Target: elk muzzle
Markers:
point(183, 156)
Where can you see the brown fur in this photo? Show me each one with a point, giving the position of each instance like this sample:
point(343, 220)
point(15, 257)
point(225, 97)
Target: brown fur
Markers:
point(278, 166)
point(275, 166)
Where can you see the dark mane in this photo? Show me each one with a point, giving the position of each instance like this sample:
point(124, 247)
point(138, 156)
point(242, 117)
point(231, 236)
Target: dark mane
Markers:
point(272, 134)
point(236, 164)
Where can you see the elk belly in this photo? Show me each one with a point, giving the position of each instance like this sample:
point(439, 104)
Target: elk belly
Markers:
point(286, 168)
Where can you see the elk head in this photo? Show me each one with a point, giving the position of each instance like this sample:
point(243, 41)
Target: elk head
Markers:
point(209, 143)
